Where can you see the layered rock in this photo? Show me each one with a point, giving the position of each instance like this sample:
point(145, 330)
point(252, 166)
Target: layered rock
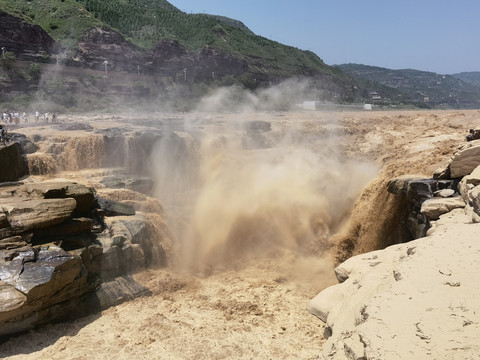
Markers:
point(60, 250)
point(418, 190)
point(26, 41)
point(12, 164)
point(462, 163)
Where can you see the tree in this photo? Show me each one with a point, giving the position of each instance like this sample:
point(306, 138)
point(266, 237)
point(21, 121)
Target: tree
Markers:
point(7, 59)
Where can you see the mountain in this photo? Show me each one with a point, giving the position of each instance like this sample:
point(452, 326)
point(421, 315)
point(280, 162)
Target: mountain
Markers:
point(154, 45)
point(424, 89)
point(79, 54)
point(144, 24)
point(472, 77)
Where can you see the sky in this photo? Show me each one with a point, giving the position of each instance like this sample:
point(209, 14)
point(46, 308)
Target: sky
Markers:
point(441, 36)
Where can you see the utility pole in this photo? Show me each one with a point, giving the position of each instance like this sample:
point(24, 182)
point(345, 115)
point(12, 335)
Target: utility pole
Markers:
point(106, 64)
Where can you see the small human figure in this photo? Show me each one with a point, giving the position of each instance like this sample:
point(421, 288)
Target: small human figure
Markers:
point(3, 135)
point(54, 118)
point(25, 118)
point(46, 117)
point(37, 116)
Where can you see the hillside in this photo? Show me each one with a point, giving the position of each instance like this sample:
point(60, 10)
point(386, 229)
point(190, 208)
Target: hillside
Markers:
point(471, 77)
point(147, 49)
point(424, 89)
point(145, 23)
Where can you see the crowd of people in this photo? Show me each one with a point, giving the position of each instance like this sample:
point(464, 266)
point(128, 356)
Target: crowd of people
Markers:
point(13, 117)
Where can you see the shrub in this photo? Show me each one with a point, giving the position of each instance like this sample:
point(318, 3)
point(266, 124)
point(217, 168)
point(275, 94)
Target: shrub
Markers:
point(7, 59)
point(34, 71)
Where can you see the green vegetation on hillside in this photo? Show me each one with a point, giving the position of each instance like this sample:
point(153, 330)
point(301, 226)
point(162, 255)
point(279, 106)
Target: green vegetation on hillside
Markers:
point(422, 88)
point(146, 22)
point(471, 77)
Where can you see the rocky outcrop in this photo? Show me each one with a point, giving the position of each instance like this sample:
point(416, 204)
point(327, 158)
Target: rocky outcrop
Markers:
point(167, 57)
point(28, 42)
point(417, 190)
point(12, 164)
point(462, 163)
point(433, 208)
point(59, 251)
point(101, 44)
point(414, 300)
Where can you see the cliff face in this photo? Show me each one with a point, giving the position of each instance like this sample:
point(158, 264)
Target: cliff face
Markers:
point(28, 42)
point(167, 58)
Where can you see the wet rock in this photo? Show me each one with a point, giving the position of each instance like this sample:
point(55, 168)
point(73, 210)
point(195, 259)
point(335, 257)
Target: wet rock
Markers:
point(118, 290)
point(115, 208)
point(144, 234)
point(130, 244)
point(142, 185)
point(417, 190)
point(26, 145)
point(51, 261)
point(12, 164)
point(49, 272)
point(40, 275)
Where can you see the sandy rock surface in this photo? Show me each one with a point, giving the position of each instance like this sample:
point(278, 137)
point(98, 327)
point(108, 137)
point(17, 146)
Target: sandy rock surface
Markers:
point(416, 300)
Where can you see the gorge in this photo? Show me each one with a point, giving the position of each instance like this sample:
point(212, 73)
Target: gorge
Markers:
point(240, 218)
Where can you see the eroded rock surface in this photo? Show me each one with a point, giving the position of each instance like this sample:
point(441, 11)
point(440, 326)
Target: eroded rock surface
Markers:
point(415, 300)
point(57, 248)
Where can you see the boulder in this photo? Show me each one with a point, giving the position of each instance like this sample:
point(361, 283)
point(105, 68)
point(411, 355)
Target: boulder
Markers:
point(118, 290)
point(83, 195)
point(142, 185)
point(465, 160)
point(445, 193)
point(34, 280)
point(28, 214)
point(435, 207)
point(26, 145)
point(115, 208)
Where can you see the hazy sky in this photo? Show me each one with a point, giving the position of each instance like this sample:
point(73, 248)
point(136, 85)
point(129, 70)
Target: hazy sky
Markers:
point(442, 36)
